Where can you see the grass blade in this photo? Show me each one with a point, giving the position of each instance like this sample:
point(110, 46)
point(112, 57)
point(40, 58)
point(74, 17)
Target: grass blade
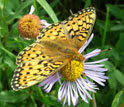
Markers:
point(48, 9)
point(106, 26)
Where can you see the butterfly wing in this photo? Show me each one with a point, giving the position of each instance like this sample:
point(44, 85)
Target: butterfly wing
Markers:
point(35, 63)
point(76, 28)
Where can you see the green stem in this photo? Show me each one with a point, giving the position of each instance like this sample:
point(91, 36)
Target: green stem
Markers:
point(4, 24)
point(40, 92)
point(33, 100)
point(48, 9)
point(8, 52)
point(94, 100)
point(105, 28)
point(35, 6)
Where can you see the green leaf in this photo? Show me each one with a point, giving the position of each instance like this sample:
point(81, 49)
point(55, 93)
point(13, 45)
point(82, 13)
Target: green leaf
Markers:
point(19, 10)
point(117, 27)
point(119, 76)
point(120, 44)
point(48, 99)
point(12, 96)
point(112, 81)
point(104, 97)
point(10, 63)
point(54, 3)
point(87, 3)
point(105, 27)
point(33, 100)
point(7, 52)
point(118, 99)
point(116, 11)
point(48, 9)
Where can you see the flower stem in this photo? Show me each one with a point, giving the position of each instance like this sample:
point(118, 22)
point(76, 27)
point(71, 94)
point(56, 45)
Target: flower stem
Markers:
point(40, 92)
point(8, 52)
point(35, 5)
point(33, 100)
point(106, 27)
point(94, 100)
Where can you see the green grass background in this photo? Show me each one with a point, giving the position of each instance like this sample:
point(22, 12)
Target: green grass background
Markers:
point(109, 33)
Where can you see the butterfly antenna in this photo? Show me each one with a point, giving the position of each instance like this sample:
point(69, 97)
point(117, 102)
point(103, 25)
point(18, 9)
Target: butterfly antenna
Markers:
point(71, 12)
point(105, 50)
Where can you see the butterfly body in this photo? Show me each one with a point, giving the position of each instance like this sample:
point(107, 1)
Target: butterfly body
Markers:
point(55, 47)
point(66, 50)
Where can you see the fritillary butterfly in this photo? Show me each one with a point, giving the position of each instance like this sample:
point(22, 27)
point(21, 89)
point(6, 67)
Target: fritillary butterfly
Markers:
point(54, 48)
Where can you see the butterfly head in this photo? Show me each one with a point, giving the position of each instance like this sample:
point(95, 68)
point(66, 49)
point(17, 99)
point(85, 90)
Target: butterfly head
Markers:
point(78, 57)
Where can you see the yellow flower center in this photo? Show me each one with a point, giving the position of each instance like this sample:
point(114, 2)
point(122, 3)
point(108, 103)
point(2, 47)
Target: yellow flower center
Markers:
point(72, 70)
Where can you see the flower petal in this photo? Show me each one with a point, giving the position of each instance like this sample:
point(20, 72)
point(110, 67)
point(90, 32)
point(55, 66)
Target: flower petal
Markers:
point(96, 62)
point(44, 24)
point(96, 77)
point(49, 82)
point(32, 9)
point(92, 54)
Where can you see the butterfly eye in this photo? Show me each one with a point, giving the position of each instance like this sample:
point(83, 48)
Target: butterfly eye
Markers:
point(68, 51)
point(76, 58)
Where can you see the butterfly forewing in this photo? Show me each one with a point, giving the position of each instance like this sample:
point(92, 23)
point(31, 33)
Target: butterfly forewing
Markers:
point(78, 26)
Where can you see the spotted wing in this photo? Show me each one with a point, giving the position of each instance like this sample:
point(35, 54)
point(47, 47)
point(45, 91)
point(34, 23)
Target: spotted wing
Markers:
point(36, 63)
point(76, 28)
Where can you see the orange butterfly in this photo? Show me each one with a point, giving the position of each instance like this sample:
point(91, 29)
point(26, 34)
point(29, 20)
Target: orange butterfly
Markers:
point(55, 47)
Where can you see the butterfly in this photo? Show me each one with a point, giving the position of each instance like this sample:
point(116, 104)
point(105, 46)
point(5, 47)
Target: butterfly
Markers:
point(54, 48)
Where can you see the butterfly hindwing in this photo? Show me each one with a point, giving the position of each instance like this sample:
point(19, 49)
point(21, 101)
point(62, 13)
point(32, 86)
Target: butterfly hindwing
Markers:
point(31, 71)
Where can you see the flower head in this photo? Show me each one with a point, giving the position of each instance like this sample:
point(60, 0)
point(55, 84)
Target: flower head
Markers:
point(77, 77)
point(30, 25)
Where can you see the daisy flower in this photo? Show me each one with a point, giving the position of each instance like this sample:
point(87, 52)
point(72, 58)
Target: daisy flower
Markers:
point(76, 81)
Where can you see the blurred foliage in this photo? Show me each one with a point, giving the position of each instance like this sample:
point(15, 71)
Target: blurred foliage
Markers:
point(109, 33)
